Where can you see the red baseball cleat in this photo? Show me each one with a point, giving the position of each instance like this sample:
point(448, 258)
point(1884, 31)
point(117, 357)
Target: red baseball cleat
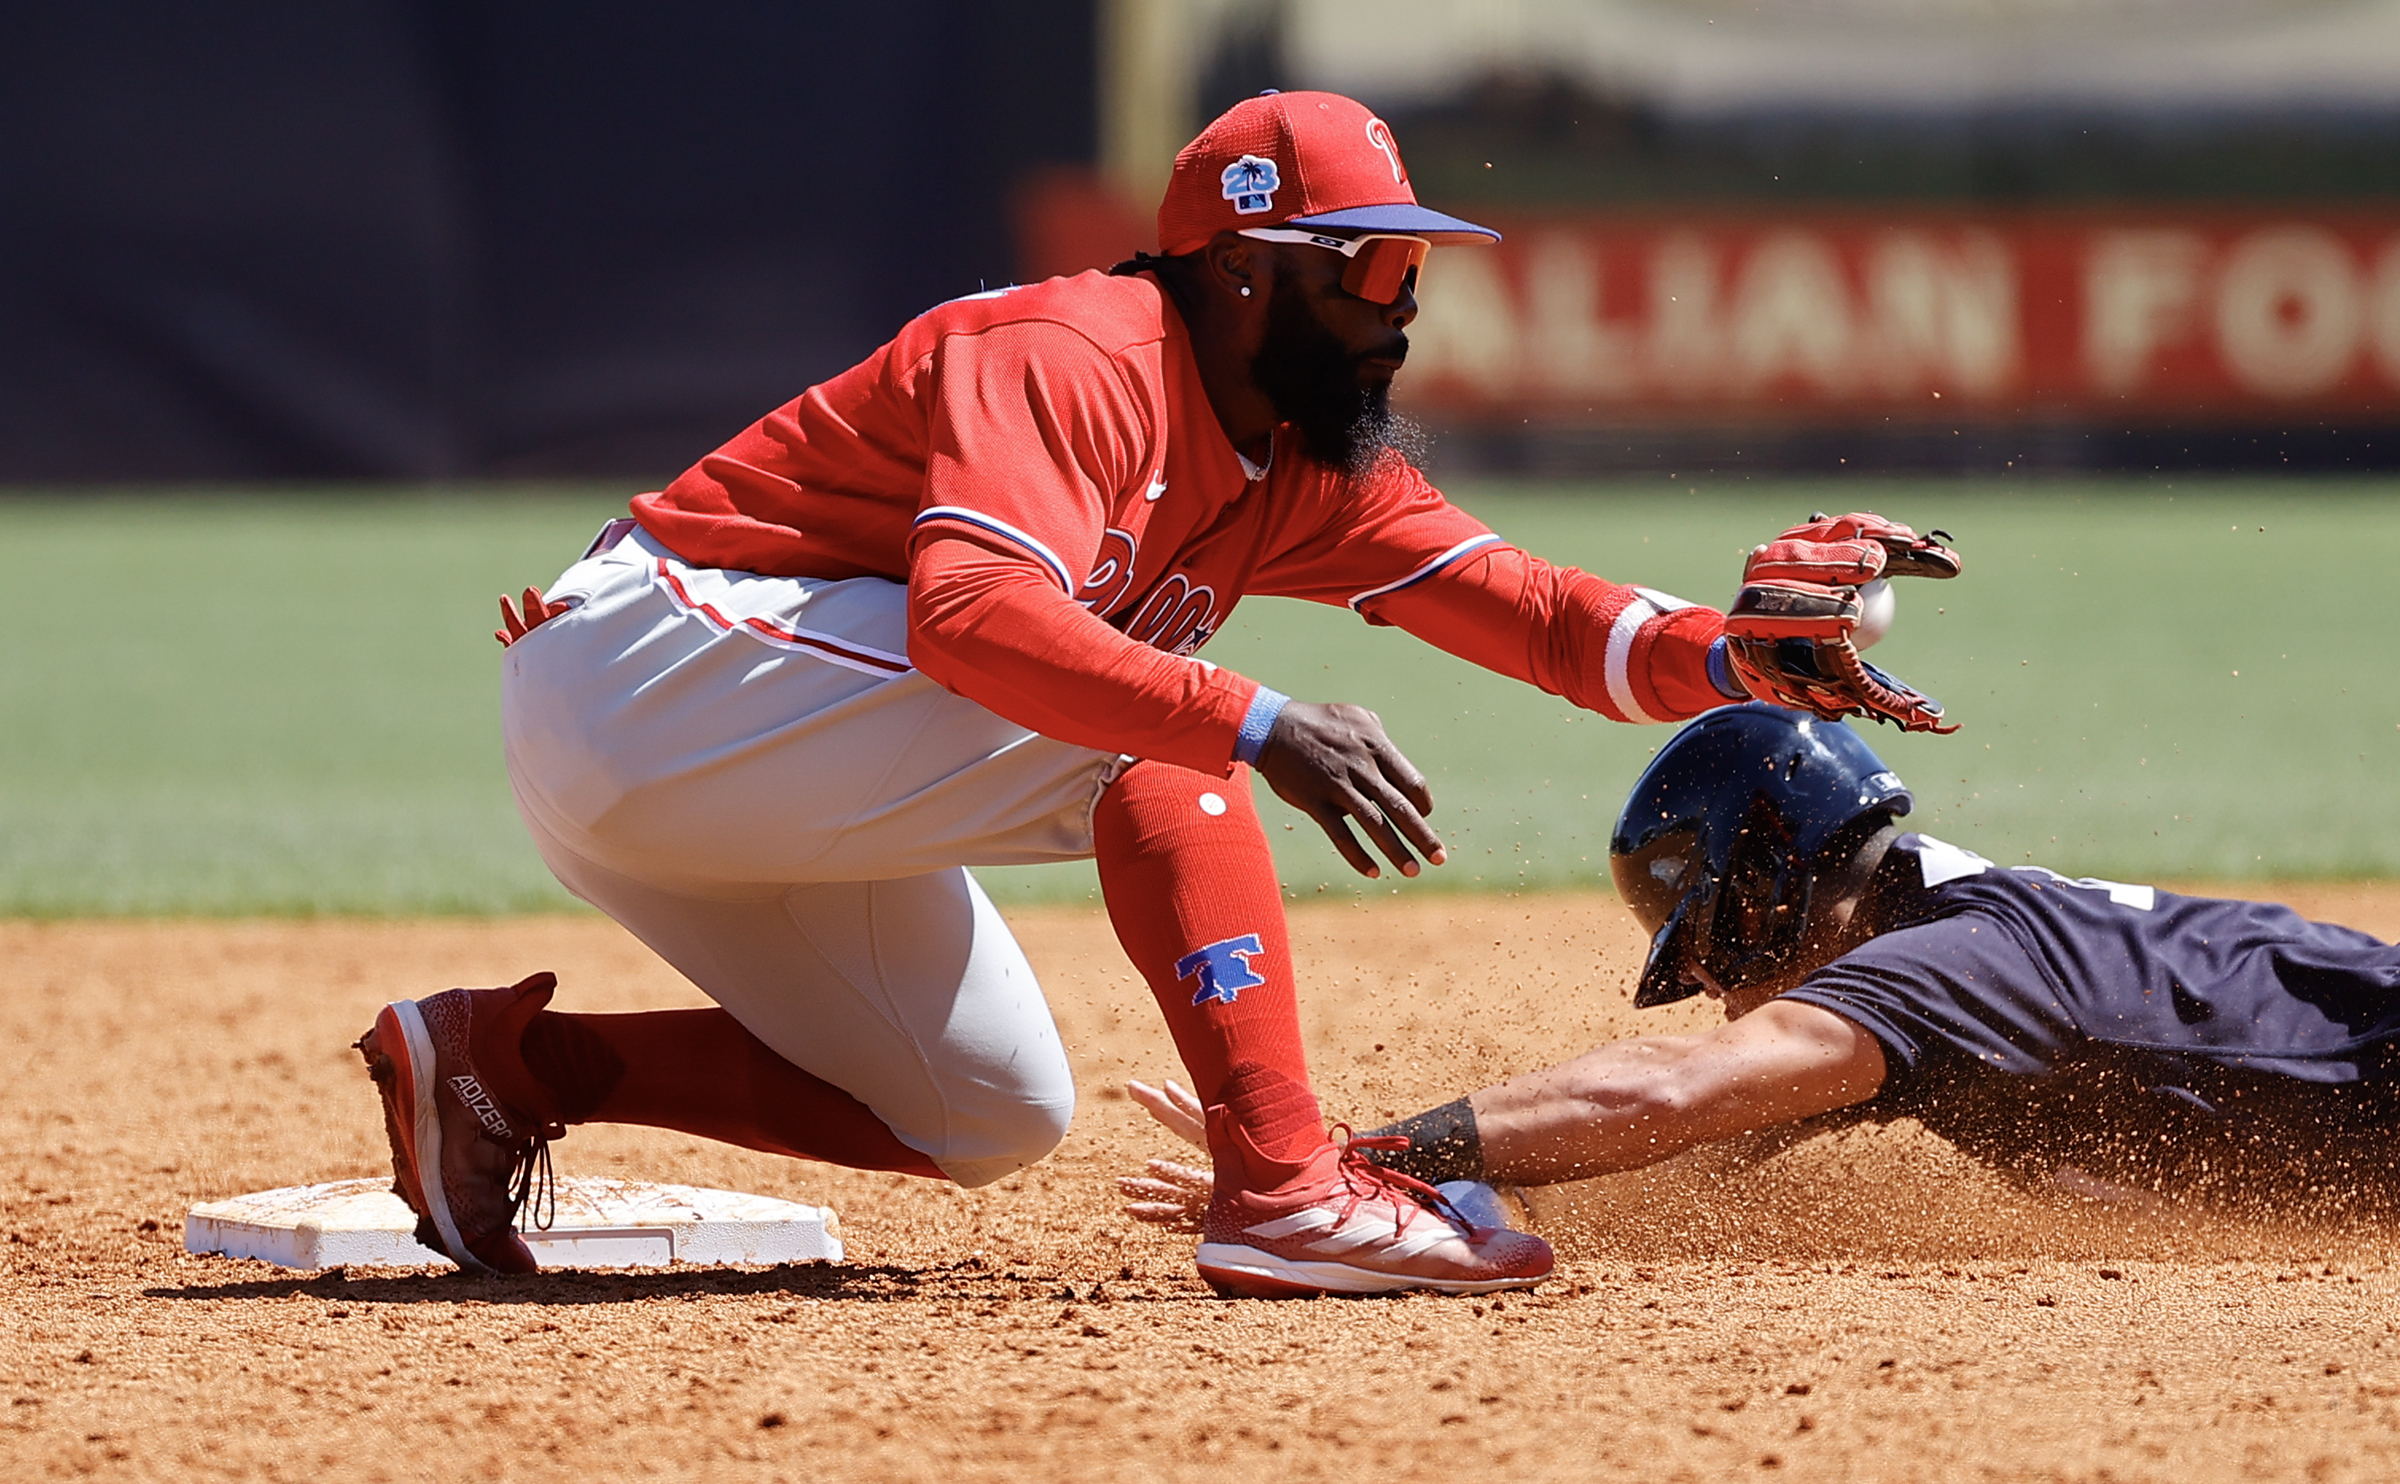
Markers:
point(464, 1161)
point(1338, 1223)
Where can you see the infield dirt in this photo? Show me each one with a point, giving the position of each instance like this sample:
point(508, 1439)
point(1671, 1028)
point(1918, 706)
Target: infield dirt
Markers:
point(1862, 1306)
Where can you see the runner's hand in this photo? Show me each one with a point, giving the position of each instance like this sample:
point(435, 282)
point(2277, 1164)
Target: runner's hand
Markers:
point(1172, 1195)
point(1174, 1106)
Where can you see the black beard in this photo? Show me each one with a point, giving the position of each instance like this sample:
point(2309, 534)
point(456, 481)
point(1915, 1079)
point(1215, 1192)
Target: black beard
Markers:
point(1343, 420)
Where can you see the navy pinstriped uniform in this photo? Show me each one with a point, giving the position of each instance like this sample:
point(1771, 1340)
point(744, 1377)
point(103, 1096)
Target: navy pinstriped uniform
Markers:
point(2136, 1033)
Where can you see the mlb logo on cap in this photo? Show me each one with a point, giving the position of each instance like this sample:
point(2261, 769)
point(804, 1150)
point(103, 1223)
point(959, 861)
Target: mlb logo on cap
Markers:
point(1306, 159)
point(1250, 184)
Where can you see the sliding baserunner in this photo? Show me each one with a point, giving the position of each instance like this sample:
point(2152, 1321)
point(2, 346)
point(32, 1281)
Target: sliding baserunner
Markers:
point(2133, 1036)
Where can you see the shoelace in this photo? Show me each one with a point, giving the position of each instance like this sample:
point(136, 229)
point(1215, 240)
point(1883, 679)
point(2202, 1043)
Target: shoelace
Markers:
point(532, 1183)
point(1421, 1198)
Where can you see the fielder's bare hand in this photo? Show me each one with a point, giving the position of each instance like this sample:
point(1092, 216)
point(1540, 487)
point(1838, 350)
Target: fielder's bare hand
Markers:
point(1334, 764)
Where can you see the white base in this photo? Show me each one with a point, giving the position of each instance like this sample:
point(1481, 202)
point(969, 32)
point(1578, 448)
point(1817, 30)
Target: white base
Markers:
point(601, 1223)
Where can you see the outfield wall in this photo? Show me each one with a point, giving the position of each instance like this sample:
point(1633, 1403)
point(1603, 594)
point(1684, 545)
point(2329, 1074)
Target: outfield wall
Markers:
point(2161, 317)
point(1867, 334)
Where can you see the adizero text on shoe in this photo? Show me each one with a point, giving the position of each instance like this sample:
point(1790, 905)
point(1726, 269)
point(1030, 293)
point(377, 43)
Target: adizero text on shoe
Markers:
point(462, 1160)
point(1344, 1225)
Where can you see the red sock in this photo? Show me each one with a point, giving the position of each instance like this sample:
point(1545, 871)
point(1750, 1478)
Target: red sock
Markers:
point(1191, 888)
point(701, 1072)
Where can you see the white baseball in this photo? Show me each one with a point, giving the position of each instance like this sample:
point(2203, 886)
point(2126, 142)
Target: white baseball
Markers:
point(1875, 602)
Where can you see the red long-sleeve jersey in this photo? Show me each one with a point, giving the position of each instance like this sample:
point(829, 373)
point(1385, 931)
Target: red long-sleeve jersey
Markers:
point(1042, 468)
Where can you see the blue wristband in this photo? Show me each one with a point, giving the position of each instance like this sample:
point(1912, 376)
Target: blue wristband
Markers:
point(1257, 722)
point(1720, 674)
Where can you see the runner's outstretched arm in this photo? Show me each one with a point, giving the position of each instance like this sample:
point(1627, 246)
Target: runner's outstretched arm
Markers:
point(1634, 1103)
point(1616, 1107)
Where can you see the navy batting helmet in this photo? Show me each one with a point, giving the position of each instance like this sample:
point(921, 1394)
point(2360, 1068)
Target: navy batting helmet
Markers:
point(1727, 833)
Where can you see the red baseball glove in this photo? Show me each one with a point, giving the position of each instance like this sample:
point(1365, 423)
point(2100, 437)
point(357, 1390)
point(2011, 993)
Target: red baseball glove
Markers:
point(1788, 636)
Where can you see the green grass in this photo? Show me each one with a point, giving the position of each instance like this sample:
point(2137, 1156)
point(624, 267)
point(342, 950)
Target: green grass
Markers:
point(227, 704)
point(287, 705)
point(2090, 651)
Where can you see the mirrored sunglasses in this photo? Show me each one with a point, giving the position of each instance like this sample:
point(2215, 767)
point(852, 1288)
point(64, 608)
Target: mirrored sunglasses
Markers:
point(1379, 262)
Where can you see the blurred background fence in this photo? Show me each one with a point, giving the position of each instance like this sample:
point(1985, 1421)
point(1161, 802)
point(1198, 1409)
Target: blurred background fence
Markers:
point(428, 240)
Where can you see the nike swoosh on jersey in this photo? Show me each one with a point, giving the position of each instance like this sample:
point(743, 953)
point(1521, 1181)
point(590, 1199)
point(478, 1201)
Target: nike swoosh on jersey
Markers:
point(1155, 490)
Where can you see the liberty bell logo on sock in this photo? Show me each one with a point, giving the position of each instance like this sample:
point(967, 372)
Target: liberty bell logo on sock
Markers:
point(1222, 968)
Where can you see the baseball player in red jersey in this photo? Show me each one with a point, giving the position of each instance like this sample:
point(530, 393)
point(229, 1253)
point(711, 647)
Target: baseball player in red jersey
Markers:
point(944, 610)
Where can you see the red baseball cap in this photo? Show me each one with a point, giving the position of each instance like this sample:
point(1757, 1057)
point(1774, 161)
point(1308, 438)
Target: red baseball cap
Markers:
point(1303, 160)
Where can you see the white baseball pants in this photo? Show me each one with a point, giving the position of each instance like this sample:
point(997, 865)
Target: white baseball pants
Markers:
point(746, 774)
